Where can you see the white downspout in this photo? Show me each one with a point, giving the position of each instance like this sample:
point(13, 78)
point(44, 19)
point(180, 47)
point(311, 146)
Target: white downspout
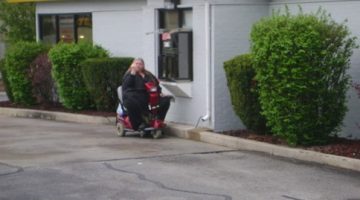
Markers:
point(37, 25)
point(207, 116)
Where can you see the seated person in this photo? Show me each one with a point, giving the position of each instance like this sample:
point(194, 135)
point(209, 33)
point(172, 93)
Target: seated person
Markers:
point(135, 96)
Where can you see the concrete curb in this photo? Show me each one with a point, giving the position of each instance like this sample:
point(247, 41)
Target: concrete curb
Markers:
point(56, 116)
point(203, 135)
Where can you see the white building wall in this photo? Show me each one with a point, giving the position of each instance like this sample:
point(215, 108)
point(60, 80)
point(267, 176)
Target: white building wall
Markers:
point(340, 10)
point(120, 32)
point(184, 110)
point(232, 23)
point(89, 6)
point(149, 38)
point(129, 28)
point(188, 110)
point(117, 25)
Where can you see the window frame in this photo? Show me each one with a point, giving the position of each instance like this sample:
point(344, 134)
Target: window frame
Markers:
point(57, 25)
point(161, 26)
point(180, 15)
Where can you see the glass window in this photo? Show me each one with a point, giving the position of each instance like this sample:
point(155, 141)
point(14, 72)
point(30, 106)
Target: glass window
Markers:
point(48, 29)
point(66, 28)
point(187, 19)
point(176, 45)
point(84, 28)
point(171, 20)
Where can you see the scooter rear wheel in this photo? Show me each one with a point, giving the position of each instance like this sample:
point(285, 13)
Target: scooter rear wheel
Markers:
point(120, 129)
point(157, 134)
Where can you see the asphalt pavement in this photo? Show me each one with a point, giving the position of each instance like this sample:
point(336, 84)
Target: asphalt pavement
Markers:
point(47, 160)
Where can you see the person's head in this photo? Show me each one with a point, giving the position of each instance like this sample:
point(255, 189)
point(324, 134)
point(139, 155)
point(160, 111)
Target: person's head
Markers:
point(139, 64)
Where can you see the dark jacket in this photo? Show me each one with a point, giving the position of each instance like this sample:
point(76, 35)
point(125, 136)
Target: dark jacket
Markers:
point(133, 86)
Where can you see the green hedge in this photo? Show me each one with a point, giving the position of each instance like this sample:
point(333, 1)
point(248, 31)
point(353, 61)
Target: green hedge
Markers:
point(17, 64)
point(301, 63)
point(6, 80)
point(102, 77)
point(244, 92)
point(18, 22)
point(66, 71)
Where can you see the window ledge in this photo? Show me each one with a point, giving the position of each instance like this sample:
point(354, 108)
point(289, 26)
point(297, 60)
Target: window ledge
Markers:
point(178, 88)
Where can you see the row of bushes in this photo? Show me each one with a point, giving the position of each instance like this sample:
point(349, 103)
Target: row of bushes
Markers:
point(66, 59)
point(244, 92)
point(5, 79)
point(102, 77)
point(295, 80)
point(80, 76)
point(17, 66)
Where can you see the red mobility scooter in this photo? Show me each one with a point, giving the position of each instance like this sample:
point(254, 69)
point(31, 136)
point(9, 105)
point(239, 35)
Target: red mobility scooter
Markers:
point(156, 125)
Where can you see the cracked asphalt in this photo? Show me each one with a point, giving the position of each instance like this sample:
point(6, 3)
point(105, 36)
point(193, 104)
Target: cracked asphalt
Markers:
point(46, 160)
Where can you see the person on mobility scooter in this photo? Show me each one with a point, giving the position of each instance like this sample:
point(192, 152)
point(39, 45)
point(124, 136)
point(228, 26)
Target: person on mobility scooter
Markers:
point(142, 106)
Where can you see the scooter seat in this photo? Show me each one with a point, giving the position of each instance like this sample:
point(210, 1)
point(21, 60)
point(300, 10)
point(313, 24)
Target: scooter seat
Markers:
point(119, 93)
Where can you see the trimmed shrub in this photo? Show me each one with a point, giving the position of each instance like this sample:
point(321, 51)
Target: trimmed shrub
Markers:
point(244, 92)
point(17, 65)
point(66, 71)
point(42, 82)
point(5, 80)
point(102, 77)
point(301, 62)
point(18, 22)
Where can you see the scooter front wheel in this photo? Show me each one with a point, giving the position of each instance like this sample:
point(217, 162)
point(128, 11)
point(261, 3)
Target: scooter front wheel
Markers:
point(120, 129)
point(157, 133)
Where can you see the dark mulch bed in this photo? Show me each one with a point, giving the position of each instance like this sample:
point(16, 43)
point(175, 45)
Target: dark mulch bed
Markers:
point(338, 146)
point(58, 108)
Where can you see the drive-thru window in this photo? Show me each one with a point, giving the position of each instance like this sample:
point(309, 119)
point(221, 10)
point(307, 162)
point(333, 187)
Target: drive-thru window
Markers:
point(176, 44)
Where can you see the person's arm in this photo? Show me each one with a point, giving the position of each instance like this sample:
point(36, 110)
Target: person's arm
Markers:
point(129, 78)
point(128, 81)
